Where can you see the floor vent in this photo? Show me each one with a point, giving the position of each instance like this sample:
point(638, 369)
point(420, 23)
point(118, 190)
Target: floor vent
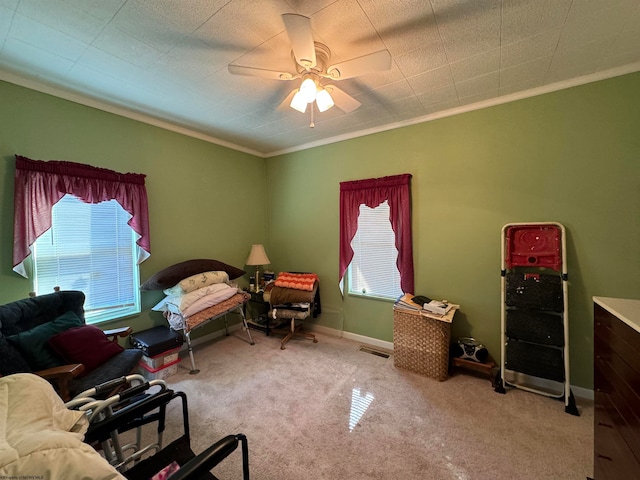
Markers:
point(374, 352)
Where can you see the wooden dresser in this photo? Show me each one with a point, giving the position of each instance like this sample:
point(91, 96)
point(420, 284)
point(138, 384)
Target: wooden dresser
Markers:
point(617, 388)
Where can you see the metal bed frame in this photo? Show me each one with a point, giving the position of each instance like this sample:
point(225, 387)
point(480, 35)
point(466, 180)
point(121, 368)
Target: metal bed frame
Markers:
point(187, 333)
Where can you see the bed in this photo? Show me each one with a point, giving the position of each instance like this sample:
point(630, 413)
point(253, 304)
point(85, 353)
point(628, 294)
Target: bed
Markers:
point(199, 299)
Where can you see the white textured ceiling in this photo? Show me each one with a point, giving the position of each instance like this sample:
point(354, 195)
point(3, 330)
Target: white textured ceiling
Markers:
point(165, 61)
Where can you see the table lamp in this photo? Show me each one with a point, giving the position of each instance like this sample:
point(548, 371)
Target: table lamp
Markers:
point(257, 257)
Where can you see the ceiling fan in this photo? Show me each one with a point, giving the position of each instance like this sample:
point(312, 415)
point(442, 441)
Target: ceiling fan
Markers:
point(312, 65)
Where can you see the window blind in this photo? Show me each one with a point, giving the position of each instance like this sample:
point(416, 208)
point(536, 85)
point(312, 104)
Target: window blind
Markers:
point(373, 270)
point(90, 248)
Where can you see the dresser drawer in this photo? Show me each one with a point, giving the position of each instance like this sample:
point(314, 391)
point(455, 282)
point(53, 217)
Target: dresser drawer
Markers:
point(614, 412)
point(617, 397)
point(613, 457)
point(612, 335)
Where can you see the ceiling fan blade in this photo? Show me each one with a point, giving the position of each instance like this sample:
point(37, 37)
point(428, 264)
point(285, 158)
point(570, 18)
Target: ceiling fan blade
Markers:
point(299, 31)
point(259, 72)
point(285, 104)
point(372, 62)
point(343, 101)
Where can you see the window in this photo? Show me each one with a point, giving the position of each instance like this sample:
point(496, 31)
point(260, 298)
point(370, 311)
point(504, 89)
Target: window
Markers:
point(83, 228)
point(90, 247)
point(395, 192)
point(373, 270)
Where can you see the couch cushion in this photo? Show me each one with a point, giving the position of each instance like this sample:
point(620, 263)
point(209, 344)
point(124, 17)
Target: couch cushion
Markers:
point(117, 366)
point(33, 343)
point(25, 314)
point(11, 359)
point(173, 274)
point(86, 344)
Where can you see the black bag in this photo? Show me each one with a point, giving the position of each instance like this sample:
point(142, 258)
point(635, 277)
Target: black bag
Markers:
point(156, 340)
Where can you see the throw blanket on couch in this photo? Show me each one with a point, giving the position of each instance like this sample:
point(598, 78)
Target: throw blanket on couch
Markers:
point(41, 438)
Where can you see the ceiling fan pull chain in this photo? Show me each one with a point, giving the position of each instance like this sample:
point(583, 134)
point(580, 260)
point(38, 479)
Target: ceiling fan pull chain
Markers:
point(311, 125)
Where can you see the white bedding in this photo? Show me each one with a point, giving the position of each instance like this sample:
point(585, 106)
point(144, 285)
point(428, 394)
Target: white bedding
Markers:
point(41, 438)
point(198, 300)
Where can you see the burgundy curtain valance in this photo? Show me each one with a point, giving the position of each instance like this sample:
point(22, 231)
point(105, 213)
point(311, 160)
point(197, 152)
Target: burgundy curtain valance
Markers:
point(39, 185)
point(372, 192)
point(60, 167)
point(376, 183)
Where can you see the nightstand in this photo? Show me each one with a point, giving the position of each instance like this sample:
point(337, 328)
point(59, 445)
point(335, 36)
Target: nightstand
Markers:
point(256, 313)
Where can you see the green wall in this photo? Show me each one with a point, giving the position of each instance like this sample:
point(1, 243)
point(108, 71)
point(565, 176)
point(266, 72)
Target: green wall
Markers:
point(201, 196)
point(571, 157)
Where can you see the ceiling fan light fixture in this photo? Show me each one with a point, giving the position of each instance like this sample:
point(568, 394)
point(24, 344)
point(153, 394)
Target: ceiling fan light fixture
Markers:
point(299, 102)
point(308, 89)
point(324, 100)
point(312, 66)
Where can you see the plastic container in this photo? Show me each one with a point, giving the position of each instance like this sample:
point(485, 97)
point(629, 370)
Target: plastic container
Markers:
point(161, 360)
point(161, 373)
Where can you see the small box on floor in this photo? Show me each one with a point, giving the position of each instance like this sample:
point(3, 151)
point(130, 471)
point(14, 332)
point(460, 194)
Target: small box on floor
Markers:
point(162, 359)
point(161, 373)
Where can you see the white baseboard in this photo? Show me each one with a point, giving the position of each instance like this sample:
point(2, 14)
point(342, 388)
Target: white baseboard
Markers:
point(373, 342)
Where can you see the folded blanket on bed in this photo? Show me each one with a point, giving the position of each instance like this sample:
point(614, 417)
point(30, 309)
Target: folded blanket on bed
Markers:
point(208, 301)
point(179, 321)
point(194, 301)
point(298, 281)
point(233, 302)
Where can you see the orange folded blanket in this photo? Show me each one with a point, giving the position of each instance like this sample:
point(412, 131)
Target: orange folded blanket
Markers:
point(298, 281)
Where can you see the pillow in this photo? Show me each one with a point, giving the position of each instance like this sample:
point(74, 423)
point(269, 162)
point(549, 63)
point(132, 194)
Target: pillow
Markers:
point(170, 276)
point(86, 344)
point(199, 280)
point(298, 281)
point(33, 343)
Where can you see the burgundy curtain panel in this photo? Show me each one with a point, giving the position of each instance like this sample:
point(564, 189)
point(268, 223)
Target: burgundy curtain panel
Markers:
point(39, 185)
point(372, 192)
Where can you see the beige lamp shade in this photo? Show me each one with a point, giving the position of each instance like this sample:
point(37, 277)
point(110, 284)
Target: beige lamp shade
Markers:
point(257, 256)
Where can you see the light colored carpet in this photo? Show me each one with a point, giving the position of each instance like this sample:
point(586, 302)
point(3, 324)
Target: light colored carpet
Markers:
point(330, 411)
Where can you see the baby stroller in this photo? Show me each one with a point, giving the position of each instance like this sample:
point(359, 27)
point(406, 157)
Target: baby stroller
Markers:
point(141, 402)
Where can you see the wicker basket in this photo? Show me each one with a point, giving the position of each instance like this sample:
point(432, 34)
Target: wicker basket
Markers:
point(421, 344)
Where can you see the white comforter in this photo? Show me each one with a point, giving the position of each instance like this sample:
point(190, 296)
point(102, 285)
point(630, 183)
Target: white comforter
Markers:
point(195, 301)
point(40, 438)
